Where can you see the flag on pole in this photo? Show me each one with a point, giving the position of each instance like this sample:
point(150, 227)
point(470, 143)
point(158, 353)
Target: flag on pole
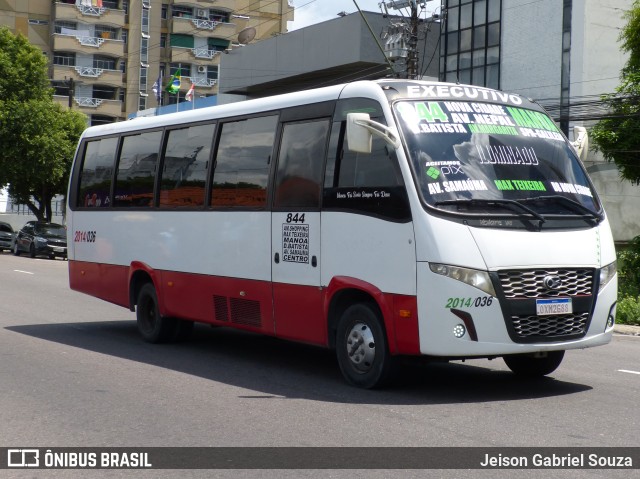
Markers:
point(189, 95)
point(174, 83)
point(157, 88)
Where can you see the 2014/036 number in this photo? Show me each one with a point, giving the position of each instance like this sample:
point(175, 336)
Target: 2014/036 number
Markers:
point(478, 302)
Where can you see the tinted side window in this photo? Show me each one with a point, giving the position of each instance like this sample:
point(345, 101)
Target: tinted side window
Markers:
point(369, 183)
point(184, 170)
point(242, 162)
point(137, 170)
point(97, 172)
point(300, 164)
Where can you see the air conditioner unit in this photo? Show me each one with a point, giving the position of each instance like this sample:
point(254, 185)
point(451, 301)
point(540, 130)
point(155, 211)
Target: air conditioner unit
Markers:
point(202, 69)
point(202, 13)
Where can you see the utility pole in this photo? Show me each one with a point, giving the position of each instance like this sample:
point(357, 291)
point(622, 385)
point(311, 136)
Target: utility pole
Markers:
point(70, 84)
point(412, 54)
point(401, 37)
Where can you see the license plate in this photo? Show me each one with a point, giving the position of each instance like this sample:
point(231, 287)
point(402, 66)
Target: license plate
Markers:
point(548, 307)
point(59, 249)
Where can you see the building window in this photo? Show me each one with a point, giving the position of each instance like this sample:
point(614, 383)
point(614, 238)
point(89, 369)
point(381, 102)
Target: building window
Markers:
point(106, 63)
point(470, 43)
point(185, 69)
point(180, 11)
point(163, 40)
point(164, 14)
point(67, 26)
point(102, 31)
point(65, 59)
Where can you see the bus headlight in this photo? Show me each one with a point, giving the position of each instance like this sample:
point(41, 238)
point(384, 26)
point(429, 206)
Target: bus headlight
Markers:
point(606, 274)
point(473, 277)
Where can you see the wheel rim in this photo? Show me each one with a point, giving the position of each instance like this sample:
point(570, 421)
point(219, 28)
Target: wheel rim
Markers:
point(361, 347)
point(148, 316)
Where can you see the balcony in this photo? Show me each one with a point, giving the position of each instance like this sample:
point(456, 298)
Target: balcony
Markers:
point(223, 5)
point(198, 82)
point(98, 106)
point(89, 45)
point(200, 27)
point(89, 75)
point(201, 55)
point(93, 106)
point(89, 14)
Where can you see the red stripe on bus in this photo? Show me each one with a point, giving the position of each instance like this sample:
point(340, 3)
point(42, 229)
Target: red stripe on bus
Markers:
point(288, 311)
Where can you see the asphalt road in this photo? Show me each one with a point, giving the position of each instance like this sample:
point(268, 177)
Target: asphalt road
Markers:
point(74, 372)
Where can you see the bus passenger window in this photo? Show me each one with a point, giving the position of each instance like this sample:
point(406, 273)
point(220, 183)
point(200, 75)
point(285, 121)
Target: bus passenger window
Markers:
point(137, 170)
point(97, 172)
point(300, 163)
point(241, 171)
point(184, 168)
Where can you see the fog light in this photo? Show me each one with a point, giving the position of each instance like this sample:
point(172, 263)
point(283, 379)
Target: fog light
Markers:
point(611, 319)
point(610, 322)
point(459, 330)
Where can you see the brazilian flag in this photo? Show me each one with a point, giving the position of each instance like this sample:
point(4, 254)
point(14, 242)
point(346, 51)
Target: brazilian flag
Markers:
point(174, 83)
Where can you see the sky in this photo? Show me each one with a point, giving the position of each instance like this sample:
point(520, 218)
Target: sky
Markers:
point(308, 12)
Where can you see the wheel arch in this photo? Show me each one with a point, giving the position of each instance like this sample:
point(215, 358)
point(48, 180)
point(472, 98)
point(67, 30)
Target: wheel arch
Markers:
point(140, 274)
point(344, 291)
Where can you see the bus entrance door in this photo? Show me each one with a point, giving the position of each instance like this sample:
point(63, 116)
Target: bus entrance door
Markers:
point(295, 231)
point(296, 276)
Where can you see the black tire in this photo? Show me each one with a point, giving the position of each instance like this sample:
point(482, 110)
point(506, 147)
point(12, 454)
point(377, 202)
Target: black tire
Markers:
point(534, 365)
point(16, 249)
point(361, 347)
point(32, 251)
point(152, 326)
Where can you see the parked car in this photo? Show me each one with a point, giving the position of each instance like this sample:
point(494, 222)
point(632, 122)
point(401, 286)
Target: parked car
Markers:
point(41, 239)
point(6, 236)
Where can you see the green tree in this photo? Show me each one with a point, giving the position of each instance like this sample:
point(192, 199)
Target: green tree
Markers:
point(617, 137)
point(38, 137)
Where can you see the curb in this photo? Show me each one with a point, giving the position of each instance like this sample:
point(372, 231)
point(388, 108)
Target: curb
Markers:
point(627, 329)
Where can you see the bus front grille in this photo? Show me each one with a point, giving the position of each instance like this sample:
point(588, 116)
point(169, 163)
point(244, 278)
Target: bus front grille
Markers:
point(531, 283)
point(547, 327)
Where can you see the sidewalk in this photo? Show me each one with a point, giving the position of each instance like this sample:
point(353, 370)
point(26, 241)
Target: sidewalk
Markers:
point(627, 329)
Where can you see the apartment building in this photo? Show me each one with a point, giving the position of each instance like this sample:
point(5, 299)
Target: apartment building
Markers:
point(106, 55)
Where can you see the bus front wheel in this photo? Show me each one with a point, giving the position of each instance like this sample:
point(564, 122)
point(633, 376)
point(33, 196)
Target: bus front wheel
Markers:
point(534, 365)
point(361, 347)
point(153, 327)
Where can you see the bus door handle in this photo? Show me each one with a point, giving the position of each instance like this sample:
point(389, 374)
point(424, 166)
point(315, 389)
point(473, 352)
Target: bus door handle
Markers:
point(314, 261)
point(276, 258)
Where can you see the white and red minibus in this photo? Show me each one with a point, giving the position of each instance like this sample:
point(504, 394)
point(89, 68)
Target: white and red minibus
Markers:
point(378, 218)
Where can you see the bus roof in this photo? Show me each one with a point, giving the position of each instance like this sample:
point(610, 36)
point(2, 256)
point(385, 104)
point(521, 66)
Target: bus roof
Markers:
point(391, 88)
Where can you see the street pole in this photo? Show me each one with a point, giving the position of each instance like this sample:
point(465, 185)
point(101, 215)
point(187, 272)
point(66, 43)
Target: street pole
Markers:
point(412, 54)
point(70, 84)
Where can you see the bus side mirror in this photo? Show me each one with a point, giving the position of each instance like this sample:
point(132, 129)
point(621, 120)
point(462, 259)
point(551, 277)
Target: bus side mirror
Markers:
point(360, 130)
point(358, 136)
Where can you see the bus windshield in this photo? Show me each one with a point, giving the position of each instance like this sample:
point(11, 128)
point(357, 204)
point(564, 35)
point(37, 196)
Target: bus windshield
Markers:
point(486, 158)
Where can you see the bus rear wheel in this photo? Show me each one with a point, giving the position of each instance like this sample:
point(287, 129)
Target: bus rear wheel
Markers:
point(153, 327)
point(534, 365)
point(361, 347)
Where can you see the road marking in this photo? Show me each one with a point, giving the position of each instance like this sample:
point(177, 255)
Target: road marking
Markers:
point(20, 271)
point(627, 371)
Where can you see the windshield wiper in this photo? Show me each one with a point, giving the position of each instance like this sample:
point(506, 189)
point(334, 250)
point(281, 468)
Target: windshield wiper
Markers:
point(571, 204)
point(512, 204)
